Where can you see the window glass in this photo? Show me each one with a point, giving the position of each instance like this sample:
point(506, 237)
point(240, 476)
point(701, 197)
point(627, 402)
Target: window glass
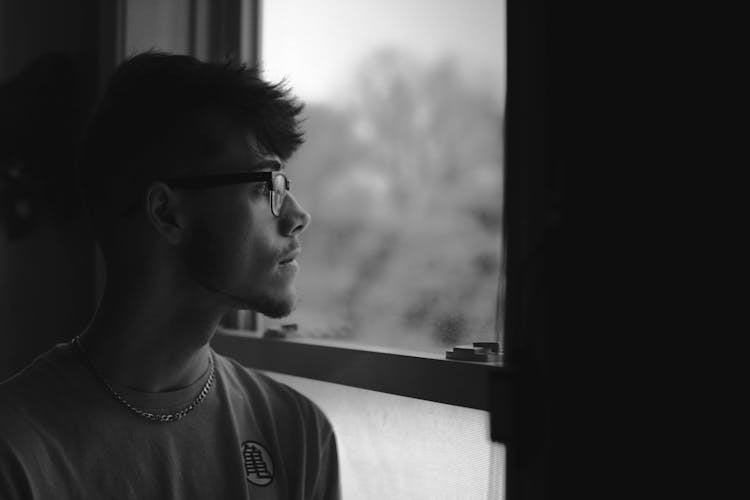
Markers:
point(404, 448)
point(402, 165)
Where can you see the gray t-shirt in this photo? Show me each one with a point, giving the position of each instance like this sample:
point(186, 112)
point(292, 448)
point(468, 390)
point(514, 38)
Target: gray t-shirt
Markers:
point(64, 436)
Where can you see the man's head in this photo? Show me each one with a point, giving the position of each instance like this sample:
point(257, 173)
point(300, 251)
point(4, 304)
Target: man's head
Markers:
point(164, 118)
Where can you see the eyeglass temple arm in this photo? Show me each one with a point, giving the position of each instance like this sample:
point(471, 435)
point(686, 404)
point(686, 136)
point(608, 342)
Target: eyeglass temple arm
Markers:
point(217, 180)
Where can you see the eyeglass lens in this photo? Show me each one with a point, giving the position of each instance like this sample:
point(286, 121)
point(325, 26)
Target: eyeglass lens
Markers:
point(278, 194)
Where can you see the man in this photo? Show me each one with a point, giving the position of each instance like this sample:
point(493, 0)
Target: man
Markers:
point(183, 172)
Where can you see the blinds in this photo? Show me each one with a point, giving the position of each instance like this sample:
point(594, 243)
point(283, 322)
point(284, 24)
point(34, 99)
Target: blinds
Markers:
point(407, 449)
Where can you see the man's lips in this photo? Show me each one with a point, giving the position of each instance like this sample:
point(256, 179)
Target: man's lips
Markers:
point(289, 257)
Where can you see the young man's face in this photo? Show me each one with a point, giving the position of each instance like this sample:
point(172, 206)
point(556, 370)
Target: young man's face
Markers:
point(235, 245)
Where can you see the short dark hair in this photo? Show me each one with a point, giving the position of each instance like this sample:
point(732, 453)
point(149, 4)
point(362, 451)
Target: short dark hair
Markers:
point(151, 113)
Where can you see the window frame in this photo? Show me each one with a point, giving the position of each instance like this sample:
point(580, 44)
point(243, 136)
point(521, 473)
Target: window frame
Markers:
point(479, 385)
point(512, 391)
point(424, 376)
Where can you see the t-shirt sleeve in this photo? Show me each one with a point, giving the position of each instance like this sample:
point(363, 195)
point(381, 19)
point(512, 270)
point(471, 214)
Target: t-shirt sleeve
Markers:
point(323, 466)
point(14, 480)
point(328, 485)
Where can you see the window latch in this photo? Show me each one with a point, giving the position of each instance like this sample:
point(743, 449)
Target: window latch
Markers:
point(478, 351)
point(286, 331)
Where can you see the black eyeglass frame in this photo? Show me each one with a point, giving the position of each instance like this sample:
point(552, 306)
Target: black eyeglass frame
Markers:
point(216, 180)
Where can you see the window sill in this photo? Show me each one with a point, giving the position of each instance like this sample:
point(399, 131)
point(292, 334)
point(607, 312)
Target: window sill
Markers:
point(404, 373)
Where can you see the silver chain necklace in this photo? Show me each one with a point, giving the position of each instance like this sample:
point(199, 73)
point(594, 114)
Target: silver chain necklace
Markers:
point(155, 417)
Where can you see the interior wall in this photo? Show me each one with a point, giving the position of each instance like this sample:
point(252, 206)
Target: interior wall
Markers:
point(46, 273)
point(163, 26)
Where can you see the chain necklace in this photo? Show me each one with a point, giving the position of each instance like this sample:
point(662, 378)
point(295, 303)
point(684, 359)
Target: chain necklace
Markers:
point(155, 417)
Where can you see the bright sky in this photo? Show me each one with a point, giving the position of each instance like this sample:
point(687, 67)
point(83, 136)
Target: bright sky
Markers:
point(313, 43)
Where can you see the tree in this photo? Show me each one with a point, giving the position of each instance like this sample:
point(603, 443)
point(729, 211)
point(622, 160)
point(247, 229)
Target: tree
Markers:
point(407, 183)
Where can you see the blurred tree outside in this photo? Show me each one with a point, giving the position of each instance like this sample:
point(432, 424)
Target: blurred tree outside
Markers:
point(403, 178)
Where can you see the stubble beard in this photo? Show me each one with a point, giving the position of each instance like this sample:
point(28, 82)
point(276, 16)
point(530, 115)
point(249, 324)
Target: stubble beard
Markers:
point(275, 307)
point(263, 299)
point(268, 304)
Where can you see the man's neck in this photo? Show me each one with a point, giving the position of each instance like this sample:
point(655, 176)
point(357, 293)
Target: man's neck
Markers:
point(141, 344)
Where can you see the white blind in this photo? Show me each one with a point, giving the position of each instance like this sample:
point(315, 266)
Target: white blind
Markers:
point(407, 449)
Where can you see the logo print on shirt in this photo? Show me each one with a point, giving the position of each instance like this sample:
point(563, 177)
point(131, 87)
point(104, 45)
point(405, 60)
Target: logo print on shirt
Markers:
point(258, 463)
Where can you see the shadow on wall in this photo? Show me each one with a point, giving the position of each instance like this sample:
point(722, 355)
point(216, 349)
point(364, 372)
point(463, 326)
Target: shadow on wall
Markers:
point(46, 254)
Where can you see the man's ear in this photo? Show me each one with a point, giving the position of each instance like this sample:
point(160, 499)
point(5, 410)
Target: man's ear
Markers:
point(164, 212)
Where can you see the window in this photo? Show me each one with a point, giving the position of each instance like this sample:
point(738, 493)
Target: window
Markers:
point(405, 109)
point(401, 169)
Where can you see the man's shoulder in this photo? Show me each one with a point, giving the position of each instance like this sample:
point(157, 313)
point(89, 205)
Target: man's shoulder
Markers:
point(262, 387)
point(299, 428)
point(16, 402)
point(246, 378)
point(38, 385)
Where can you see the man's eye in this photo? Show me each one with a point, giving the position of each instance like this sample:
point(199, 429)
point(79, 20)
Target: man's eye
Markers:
point(261, 188)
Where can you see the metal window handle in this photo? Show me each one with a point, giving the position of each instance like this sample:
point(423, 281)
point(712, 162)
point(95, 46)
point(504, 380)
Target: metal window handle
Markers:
point(478, 351)
point(287, 330)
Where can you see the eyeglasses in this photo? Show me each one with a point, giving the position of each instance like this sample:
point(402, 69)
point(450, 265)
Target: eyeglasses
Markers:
point(276, 182)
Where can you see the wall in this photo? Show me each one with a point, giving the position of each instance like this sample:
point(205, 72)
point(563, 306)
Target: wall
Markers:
point(158, 25)
point(46, 274)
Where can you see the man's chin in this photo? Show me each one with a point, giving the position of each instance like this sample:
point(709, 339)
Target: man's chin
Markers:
point(275, 307)
point(277, 313)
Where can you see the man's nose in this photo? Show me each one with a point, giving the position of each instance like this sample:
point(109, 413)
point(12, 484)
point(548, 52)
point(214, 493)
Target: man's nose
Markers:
point(294, 218)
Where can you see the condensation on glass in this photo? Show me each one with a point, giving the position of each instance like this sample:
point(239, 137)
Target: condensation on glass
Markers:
point(402, 169)
point(404, 448)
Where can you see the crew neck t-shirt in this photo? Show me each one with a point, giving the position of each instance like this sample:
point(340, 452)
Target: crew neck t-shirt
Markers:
point(63, 435)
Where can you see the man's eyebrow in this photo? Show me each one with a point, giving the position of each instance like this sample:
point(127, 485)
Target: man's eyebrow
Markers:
point(267, 164)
